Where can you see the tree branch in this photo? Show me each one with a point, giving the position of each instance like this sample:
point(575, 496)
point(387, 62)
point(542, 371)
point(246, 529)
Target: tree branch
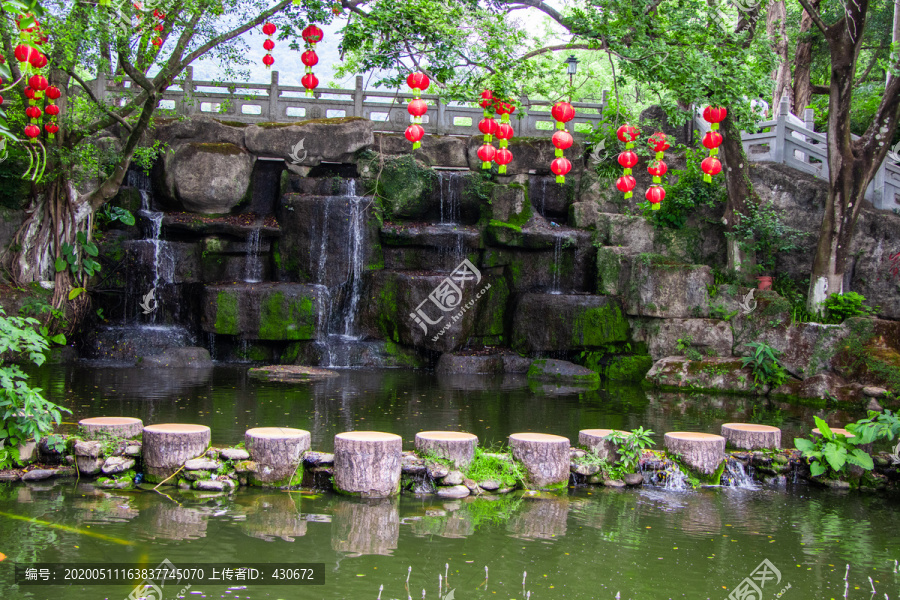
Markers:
point(546, 49)
point(94, 99)
point(541, 6)
point(820, 90)
point(815, 16)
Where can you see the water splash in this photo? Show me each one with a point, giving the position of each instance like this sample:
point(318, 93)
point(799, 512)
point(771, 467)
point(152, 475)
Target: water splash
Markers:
point(671, 478)
point(450, 202)
point(355, 267)
point(163, 262)
point(736, 476)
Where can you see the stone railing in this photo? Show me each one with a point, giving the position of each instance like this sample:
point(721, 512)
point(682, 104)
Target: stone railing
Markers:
point(257, 103)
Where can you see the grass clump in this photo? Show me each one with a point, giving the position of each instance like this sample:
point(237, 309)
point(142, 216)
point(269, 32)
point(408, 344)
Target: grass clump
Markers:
point(496, 465)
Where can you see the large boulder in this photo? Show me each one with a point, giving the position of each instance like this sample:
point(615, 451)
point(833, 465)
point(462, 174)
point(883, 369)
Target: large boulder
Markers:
point(722, 375)
point(560, 370)
point(428, 247)
point(710, 337)
point(554, 322)
point(264, 311)
point(806, 348)
point(436, 150)
point(551, 260)
point(199, 129)
point(662, 287)
point(308, 143)
point(208, 178)
point(531, 154)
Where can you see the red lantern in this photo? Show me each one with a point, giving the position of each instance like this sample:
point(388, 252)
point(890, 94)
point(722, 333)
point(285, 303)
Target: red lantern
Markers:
point(268, 59)
point(32, 131)
point(269, 29)
point(33, 112)
point(560, 167)
point(38, 60)
point(1, 100)
point(415, 133)
point(312, 34)
point(38, 82)
point(29, 93)
point(486, 153)
point(505, 131)
point(51, 128)
point(417, 107)
point(715, 114)
point(710, 166)
point(269, 45)
point(503, 158)
point(24, 53)
point(309, 58)
point(628, 159)
point(158, 42)
point(52, 110)
point(53, 92)
point(159, 27)
point(657, 168)
point(418, 81)
point(658, 142)
point(655, 195)
point(563, 113)
point(562, 139)
point(627, 133)
point(712, 139)
point(625, 184)
point(488, 127)
point(309, 81)
point(487, 99)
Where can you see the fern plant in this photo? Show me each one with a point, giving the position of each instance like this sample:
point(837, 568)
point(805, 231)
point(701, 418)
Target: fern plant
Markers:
point(765, 364)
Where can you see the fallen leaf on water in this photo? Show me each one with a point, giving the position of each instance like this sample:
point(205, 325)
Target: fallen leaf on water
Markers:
point(2, 557)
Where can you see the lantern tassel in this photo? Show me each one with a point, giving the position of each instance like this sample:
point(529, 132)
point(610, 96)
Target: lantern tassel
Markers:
point(485, 165)
point(654, 206)
point(502, 169)
point(707, 178)
point(560, 179)
point(628, 195)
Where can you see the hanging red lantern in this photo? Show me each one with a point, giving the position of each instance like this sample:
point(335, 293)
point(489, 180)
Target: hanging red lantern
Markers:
point(309, 58)
point(657, 168)
point(628, 159)
point(417, 107)
point(562, 112)
point(24, 53)
point(712, 140)
point(488, 127)
point(625, 184)
point(269, 45)
point(38, 60)
point(658, 143)
point(655, 195)
point(505, 131)
point(158, 42)
point(1, 100)
point(560, 167)
point(38, 82)
point(269, 29)
point(487, 101)
point(29, 93)
point(52, 110)
point(414, 132)
point(309, 81)
point(627, 133)
point(51, 128)
point(32, 131)
point(53, 92)
point(337, 9)
point(503, 158)
point(312, 34)
point(486, 153)
point(710, 166)
point(33, 112)
point(268, 59)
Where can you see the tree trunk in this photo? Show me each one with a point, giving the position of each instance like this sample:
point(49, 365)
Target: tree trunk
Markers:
point(167, 447)
point(593, 439)
point(277, 451)
point(895, 40)
point(803, 63)
point(703, 452)
point(457, 447)
point(736, 169)
point(545, 457)
point(777, 30)
point(749, 436)
point(367, 463)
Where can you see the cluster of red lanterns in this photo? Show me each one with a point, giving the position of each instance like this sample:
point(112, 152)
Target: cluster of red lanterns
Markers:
point(712, 140)
point(562, 113)
point(32, 61)
point(269, 44)
point(490, 128)
point(312, 35)
point(157, 41)
point(417, 108)
point(627, 133)
point(657, 169)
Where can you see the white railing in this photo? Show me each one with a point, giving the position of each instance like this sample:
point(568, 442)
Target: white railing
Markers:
point(256, 103)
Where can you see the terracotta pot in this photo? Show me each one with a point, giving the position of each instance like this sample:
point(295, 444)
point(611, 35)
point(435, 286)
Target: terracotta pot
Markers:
point(765, 282)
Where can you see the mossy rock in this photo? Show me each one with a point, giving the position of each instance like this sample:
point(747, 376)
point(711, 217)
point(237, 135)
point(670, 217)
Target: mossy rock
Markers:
point(290, 373)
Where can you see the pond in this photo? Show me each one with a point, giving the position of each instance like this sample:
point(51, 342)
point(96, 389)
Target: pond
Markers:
point(591, 542)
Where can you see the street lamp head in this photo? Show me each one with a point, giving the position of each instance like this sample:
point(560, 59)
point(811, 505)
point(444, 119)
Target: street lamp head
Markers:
point(571, 65)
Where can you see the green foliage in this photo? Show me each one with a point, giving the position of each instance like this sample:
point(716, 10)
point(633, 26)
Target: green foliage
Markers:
point(843, 306)
point(686, 195)
point(685, 346)
point(24, 413)
point(79, 257)
point(763, 232)
point(763, 361)
point(631, 447)
point(830, 453)
point(877, 426)
point(54, 319)
point(497, 466)
point(110, 213)
point(145, 156)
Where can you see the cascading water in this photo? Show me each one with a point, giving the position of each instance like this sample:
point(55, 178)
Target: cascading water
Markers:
point(557, 262)
point(736, 476)
point(355, 266)
point(671, 478)
point(253, 265)
point(163, 263)
point(450, 201)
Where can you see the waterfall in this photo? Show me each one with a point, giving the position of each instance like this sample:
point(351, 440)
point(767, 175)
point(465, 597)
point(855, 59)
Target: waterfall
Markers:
point(450, 203)
point(557, 260)
point(736, 476)
point(253, 265)
point(163, 263)
point(355, 266)
point(669, 479)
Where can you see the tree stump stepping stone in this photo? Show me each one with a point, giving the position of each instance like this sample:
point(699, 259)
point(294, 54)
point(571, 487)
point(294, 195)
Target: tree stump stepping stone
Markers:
point(703, 452)
point(291, 373)
point(847, 434)
point(168, 446)
point(456, 446)
point(367, 463)
point(750, 436)
point(119, 427)
point(277, 451)
point(545, 457)
point(593, 439)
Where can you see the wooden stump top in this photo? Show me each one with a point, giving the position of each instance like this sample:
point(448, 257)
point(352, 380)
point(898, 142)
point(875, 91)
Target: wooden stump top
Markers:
point(835, 431)
point(751, 427)
point(694, 436)
point(601, 433)
point(111, 421)
point(368, 436)
point(539, 438)
point(453, 436)
point(176, 428)
point(276, 432)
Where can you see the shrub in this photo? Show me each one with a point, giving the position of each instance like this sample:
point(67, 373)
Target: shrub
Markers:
point(839, 307)
point(831, 453)
point(767, 370)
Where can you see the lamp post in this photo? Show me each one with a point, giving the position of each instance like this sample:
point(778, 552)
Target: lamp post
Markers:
point(571, 69)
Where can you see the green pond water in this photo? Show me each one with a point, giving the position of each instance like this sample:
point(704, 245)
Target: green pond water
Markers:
point(591, 542)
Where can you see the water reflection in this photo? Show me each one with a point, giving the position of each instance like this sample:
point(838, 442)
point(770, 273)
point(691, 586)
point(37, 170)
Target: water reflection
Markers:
point(365, 526)
point(274, 515)
point(170, 521)
point(541, 517)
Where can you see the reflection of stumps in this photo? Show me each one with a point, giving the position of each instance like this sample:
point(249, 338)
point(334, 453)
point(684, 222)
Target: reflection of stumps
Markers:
point(703, 452)
point(593, 440)
point(367, 463)
point(119, 427)
point(750, 436)
point(274, 516)
point(541, 518)
point(545, 456)
point(166, 448)
point(365, 526)
point(277, 451)
point(174, 522)
point(455, 446)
